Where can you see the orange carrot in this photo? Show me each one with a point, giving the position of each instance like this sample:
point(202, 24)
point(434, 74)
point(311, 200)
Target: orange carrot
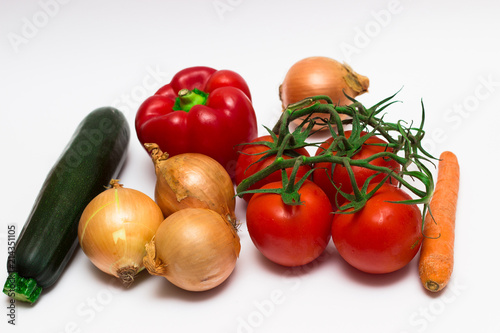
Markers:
point(437, 251)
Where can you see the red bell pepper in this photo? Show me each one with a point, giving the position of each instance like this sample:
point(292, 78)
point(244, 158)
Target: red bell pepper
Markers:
point(202, 110)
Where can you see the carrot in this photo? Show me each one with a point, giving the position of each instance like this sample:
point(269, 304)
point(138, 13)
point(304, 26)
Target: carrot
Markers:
point(437, 251)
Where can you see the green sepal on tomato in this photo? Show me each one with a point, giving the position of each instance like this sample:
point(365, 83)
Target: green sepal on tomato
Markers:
point(257, 155)
point(332, 177)
point(383, 236)
point(290, 235)
point(202, 110)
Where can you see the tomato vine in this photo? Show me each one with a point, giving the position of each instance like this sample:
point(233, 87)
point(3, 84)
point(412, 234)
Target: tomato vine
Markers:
point(404, 145)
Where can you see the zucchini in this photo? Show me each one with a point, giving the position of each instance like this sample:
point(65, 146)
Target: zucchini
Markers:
point(93, 157)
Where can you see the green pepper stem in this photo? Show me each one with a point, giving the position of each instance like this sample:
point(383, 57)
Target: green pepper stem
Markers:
point(188, 98)
point(22, 289)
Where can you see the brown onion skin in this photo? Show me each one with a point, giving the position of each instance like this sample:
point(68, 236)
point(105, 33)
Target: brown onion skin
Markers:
point(114, 229)
point(315, 76)
point(192, 180)
point(195, 249)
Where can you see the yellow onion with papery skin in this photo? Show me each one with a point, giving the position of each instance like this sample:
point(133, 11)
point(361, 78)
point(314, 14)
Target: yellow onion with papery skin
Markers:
point(195, 249)
point(314, 76)
point(115, 227)
point(191, 180)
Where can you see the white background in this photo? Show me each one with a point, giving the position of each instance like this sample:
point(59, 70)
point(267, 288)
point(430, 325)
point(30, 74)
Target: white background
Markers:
point(59, 60)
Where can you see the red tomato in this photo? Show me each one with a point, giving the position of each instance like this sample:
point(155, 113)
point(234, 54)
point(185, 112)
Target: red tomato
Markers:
point(382, 237)
point(325, 172)
point(290, 235)
point(247, 166)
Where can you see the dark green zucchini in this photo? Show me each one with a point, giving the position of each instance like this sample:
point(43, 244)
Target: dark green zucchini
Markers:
point(49, 237)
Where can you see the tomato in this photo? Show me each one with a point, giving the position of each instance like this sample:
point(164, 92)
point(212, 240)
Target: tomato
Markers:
point(326, 172)
point(382, 237)
point(247, 164)
point(290, 235)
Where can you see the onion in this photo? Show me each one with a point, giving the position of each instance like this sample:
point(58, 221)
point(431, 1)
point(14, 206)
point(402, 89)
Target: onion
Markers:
point(195, 249)
point(191, 180)
point(114, 229)
point(315, 76)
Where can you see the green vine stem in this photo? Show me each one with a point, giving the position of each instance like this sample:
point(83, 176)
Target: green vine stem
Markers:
point(403, 146)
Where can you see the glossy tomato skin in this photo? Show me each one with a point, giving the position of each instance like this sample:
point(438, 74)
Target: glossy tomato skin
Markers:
point(290, 235)
point(247, 164)
point(326, 172)
point(382, 237)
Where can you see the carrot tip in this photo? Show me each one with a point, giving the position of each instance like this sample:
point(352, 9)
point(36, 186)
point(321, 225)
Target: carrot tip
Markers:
point(432, 286)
